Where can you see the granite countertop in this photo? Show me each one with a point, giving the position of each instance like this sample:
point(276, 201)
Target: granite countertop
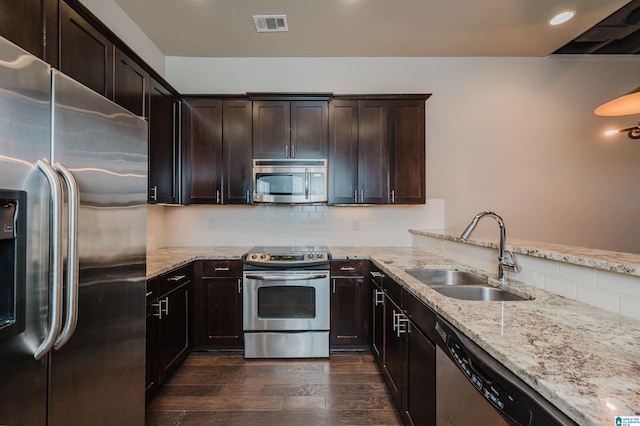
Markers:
point(166, 259)
point(585, 360)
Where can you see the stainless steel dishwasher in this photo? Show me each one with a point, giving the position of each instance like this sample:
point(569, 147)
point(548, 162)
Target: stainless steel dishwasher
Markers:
point(473, 388)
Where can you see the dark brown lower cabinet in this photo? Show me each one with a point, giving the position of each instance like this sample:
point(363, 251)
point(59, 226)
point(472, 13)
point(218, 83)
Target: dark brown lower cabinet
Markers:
point(168, 325)
point(394, 348)
point(350, 307)
point(403, 349)
point(420, 387)
point(218, 306)
point(378, 308)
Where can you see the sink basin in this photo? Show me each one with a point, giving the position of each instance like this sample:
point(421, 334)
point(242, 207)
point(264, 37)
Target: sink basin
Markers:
point(477, 292)
point(448, 277)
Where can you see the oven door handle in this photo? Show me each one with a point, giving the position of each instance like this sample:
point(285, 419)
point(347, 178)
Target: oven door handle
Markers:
point(285, 277)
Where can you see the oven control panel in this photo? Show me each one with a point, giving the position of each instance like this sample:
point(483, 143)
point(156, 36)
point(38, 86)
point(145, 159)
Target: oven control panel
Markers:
point(286, 259)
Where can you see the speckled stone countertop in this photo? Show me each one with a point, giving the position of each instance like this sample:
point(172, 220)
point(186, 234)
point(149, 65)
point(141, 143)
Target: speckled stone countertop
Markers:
point(164, 260)
point(623, 263)
point(584, 360)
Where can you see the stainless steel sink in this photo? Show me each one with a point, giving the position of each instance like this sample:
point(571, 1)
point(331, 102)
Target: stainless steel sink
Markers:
point(461, 285)
point(448, 277)
point(477, 292)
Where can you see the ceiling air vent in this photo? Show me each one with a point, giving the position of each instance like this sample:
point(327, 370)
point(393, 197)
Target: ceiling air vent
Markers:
point(270, 23)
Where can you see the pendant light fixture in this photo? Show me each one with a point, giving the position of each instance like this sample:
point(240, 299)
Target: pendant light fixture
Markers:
point(626, 104)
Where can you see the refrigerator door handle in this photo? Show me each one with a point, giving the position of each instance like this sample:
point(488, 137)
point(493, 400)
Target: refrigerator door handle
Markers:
point(71, 308)
point(55, 288)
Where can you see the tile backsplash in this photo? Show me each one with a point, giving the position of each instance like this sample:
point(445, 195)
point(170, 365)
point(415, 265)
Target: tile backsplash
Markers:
point(611, 291)
point(182, 226)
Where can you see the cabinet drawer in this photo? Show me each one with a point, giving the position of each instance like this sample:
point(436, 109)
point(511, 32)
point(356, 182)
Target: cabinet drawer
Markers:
point(393, 290)
point(423, 317)
point(221, 268)
point(347, 268)
point(152, 289)
point(173, 279)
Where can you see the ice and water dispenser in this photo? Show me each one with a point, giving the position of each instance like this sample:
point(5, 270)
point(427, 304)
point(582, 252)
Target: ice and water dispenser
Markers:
point(13, 215)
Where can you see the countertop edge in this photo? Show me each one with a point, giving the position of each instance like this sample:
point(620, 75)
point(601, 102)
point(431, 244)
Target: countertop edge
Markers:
point(611, 261)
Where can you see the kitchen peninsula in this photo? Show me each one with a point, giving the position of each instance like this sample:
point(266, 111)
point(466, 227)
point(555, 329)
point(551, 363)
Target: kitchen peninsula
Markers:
point(582, 359)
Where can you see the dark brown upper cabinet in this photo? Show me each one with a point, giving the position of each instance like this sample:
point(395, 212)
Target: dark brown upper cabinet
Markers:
point(407, 152)
point(23, 23)
point(377, 149)
point(86, 55)
point(290, 129)
point(202, 165)
point(164, 145)
point(130, 84)
point(236, 151)
point(358, 152)
point(343, 151)
point(217, 155)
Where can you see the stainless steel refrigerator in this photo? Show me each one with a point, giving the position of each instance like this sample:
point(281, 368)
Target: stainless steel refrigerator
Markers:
point(73, 181)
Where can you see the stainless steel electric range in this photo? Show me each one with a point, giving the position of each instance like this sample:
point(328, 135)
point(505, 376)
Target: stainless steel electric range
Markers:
point(286, 311)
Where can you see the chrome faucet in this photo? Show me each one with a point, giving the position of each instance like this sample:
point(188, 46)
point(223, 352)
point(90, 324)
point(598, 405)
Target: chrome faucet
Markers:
point(503, 263)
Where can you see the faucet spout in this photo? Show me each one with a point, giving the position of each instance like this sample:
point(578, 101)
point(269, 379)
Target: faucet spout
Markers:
point(503, 263)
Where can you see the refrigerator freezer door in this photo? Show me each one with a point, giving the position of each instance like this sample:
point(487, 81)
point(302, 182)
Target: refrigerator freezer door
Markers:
point(25, 128)
point(97, 377)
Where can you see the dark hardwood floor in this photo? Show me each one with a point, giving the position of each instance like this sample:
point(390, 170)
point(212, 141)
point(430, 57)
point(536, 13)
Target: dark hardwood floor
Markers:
point(215, 389)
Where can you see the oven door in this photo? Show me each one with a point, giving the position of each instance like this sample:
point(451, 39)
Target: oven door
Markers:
point(286, 300)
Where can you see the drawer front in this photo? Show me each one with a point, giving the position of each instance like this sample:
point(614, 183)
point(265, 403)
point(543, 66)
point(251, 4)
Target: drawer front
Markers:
point(152, 289)
point(423, 317)
point(221, 268)
point(347, 268)
point(393, 290)
point(174, 279)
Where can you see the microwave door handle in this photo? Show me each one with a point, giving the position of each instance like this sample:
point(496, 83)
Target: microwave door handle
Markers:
point(307, 181)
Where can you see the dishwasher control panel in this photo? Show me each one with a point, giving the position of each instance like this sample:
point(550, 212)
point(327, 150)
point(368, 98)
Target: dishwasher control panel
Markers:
point(494, 393)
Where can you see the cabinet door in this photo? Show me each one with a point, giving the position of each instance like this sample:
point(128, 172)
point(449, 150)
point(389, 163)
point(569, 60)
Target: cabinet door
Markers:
point(174, 330)
point(86, 55)
point(219, 314)
point(378, 326)
point(350, 312)
point(271, 129)
point(309, 129)
point(163, 145)
point(130, 84)
point(236, 154)
point(393, 352)
point(407, 152)
point(373, 152)
point(21, 22)
point(153, 345)
point(203, 151)
point(343, 151)
point(420, 399)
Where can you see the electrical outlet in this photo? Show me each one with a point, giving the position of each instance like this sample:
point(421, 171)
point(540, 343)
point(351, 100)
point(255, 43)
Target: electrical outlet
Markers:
point(355, 224)
point(211, 223)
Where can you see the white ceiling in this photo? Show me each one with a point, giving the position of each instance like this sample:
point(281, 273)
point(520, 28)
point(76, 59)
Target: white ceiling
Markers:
point(355, 28)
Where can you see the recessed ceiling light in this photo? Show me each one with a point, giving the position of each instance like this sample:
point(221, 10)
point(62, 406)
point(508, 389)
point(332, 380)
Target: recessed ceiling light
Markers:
point(562, 17)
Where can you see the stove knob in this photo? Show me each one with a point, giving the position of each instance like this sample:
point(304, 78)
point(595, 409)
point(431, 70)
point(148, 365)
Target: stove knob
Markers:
point(254, 256)
point(263, 256)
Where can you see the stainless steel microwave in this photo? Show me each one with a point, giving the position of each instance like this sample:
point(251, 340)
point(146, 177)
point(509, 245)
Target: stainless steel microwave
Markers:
point(290, 181)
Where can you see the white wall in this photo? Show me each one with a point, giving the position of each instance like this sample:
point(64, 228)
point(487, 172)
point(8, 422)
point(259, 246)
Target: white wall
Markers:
point(513, 135)
point(119, 22)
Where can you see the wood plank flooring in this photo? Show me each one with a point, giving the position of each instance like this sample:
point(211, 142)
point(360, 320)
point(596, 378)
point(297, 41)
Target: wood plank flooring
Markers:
point(214, 389)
